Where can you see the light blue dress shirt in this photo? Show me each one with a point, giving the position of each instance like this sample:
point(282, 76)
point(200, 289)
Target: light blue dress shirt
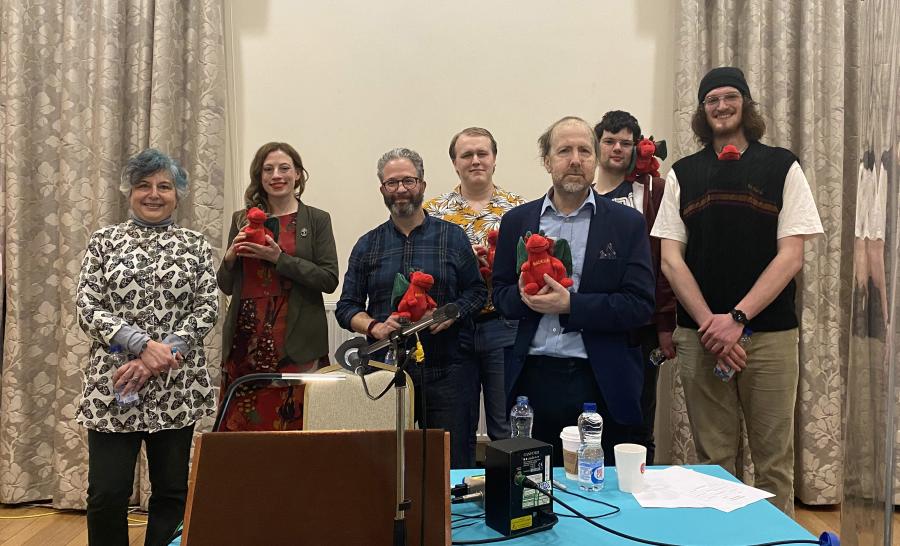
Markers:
point(549, 340)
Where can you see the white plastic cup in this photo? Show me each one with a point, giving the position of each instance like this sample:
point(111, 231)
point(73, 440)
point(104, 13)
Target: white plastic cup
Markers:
point(570, 442)
point(631, 460)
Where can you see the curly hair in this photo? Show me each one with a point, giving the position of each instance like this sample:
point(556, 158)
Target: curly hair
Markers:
point(152, 161)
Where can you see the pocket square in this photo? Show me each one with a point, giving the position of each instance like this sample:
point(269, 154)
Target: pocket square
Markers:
point(608, 253)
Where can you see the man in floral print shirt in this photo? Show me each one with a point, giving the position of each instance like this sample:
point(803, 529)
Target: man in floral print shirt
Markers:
point(476, 205)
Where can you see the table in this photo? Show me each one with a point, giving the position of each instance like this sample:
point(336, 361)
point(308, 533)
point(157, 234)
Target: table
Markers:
point(756, 523)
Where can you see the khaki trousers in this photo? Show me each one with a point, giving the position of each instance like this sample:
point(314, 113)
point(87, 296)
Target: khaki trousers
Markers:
point(765, 392)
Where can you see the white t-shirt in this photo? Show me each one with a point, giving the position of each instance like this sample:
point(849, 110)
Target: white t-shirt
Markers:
point(798, 215)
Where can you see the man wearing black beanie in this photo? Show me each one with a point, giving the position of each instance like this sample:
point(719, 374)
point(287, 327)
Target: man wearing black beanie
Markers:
point(733, 222)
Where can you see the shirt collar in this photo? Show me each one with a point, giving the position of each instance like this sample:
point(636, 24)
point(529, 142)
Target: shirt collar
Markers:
point(428, 219)
point(457, 196)
point(548, 203)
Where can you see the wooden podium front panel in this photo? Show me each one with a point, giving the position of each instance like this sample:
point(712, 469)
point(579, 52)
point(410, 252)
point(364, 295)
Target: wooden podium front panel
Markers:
point(336, 487)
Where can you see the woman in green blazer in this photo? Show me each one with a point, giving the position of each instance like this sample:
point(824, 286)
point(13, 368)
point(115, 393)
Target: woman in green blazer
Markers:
point(276, 318)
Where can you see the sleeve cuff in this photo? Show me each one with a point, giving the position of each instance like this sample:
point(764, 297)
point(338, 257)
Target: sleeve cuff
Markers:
point(133, 339)
point(177, 342)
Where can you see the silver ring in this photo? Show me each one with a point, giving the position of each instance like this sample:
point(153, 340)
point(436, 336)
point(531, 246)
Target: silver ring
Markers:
point(134, 379)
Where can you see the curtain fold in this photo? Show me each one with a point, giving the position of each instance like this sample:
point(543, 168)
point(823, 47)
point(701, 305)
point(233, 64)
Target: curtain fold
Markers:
point(84, 85)
point(798, 57)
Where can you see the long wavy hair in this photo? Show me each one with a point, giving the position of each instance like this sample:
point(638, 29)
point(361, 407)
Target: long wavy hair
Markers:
point(256, 196)
point(752, 123)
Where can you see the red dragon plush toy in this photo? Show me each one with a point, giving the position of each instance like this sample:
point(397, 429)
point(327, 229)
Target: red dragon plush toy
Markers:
point(729, 153)
point(486, 255)
point(541, 261)
point(256, 232)
point(644, 160)
point(415, 302)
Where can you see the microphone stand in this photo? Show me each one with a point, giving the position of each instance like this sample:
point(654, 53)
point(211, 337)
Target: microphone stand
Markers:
point(398, 346)
point(397, 341)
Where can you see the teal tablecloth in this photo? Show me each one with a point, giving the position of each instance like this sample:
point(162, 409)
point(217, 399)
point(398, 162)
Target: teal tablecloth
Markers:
point(757, 523)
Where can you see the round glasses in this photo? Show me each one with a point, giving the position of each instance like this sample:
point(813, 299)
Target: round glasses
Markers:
point(392, 185)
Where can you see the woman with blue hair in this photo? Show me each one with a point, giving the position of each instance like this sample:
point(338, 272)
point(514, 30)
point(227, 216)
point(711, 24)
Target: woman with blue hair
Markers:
point(146, 297)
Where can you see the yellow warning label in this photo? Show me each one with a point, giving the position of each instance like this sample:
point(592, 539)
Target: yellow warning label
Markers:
point(523, 522)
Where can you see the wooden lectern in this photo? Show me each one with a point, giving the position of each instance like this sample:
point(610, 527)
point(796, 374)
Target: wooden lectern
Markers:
point(335, 487)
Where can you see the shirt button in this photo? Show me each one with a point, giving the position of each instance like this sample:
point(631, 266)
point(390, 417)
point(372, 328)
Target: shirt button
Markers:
point(554, 330)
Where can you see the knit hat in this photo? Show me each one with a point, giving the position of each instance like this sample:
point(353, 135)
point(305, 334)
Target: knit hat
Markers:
point(721, 77)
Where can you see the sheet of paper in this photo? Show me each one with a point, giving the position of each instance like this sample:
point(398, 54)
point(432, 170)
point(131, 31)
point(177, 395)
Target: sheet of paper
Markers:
point(678, 487)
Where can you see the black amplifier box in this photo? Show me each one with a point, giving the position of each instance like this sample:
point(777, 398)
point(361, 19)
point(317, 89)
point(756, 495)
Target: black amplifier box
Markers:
point(510, 508)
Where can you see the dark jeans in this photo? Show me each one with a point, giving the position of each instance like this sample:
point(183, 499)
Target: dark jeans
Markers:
point(482, 346)
point(111, 461)
point(439, 388)
point(643, 433)
point(557, 389)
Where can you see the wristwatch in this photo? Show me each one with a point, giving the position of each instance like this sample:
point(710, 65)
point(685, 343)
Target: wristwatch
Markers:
point(739, 316)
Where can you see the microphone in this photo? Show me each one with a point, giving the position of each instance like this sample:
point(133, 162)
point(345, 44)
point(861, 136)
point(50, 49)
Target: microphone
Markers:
point(441, 314)
point(353, 354)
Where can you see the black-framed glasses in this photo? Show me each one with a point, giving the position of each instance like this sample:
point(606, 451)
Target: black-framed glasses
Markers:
point(409, 182)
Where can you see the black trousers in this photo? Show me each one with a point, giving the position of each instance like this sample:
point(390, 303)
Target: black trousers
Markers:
point(557, 389)
point(111, 461)
point(643, 433)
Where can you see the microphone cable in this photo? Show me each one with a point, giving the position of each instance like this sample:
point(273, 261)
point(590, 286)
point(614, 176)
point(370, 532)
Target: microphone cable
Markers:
point(527, 482)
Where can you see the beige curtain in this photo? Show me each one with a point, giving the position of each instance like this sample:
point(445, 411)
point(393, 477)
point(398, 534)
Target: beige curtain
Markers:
point(83, 86)
point(799, 59)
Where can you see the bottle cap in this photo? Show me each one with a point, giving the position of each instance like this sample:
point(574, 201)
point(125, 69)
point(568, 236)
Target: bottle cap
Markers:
point(523, 400)
point(590, 407)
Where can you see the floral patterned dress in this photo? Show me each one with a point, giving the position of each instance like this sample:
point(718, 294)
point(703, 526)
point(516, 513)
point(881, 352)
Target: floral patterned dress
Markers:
point(258, 347)
point(161, 280)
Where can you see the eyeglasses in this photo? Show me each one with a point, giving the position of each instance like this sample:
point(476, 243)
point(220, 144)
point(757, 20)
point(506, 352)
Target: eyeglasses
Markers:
point(392, 185)
point(611, 143)
point(730, 98)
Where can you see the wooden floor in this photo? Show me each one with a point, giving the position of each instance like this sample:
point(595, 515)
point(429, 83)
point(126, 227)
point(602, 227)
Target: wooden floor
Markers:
point(18, 526)
point(27, 525)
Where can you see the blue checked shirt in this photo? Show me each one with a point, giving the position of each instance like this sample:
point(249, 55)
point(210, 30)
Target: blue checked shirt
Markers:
point(436, 247)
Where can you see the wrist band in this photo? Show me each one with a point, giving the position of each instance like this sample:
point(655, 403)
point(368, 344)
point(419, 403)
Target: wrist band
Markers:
point(370, 327)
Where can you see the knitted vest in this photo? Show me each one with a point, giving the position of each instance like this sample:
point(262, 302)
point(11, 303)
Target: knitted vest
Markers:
point(731, 212)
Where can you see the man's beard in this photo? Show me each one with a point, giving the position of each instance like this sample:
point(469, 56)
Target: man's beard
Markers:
point(572, 186)
point(407, 209)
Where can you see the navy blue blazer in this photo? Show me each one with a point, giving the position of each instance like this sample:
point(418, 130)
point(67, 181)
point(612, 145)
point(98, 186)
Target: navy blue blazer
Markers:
point(614, 299)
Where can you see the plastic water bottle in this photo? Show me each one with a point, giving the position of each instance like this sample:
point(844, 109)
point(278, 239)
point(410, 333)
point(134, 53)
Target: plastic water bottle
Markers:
point(119, 358)
point(744, 341)
point(590, 452)
point(657, 357)
point(521, 417)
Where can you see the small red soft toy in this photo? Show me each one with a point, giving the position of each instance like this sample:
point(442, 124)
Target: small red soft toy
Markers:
point(540, 261)
point(256, 232)
point(416, 301)
point(729, 153)
point(492, 247)
point(645, 162)
point(486, 255)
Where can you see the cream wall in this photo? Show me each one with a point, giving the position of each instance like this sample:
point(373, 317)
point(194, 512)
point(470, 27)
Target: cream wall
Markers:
point(344, 81)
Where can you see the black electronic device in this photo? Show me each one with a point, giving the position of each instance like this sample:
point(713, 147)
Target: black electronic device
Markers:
point(509, 507)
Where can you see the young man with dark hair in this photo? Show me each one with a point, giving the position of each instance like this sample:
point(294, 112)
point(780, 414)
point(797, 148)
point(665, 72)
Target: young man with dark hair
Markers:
point(619, 133)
